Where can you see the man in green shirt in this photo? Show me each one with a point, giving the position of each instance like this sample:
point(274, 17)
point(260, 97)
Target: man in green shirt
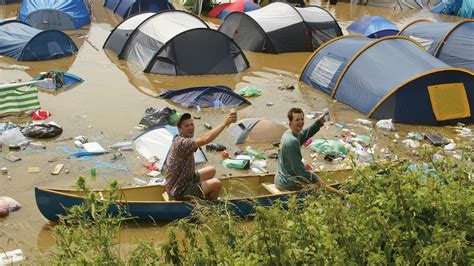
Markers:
point(292, 174)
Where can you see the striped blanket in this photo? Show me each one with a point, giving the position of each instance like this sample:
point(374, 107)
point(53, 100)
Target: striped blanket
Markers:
point(18, 97)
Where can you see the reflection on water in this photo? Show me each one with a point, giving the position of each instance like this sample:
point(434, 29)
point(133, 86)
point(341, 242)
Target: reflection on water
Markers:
point(114, 96)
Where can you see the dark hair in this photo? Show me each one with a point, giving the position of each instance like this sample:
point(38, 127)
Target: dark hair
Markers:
point(292, 111)
point(181, 118)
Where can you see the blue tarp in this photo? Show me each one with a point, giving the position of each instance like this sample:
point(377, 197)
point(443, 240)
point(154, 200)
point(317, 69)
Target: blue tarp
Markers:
point(57, 14)
point(388, 78)
point(373, 27)
point(213, 96)
point(25, 43)
point(452, 43)
point(127, 8)
point(463, 8)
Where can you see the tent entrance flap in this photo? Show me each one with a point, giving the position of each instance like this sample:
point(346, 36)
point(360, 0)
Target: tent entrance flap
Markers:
point(449, 101)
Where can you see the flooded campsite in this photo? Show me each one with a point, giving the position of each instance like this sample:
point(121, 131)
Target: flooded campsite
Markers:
point(109, 108)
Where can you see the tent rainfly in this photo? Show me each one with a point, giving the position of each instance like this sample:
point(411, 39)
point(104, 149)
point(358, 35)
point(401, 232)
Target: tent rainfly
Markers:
point(373, 27)
point(452, 43)
point(256, 130)
point(212, 96)
point(175, 42)
point(55, 15)
point(392, 77)
point(25, 43)
point(281, 28)
point(127, 8)
point(156, 143)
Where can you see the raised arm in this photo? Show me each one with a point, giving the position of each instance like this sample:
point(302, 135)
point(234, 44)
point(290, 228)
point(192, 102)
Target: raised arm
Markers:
point(211, 135)
point(311, 130)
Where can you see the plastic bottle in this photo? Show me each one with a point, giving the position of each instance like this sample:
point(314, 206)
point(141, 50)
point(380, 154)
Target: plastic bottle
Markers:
point(122, 146)
point(256, 154)
point(93, 172)
point(140, 182)
point(327, 116)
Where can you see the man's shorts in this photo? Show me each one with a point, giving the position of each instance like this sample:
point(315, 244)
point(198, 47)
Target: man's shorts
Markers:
point(192, 191)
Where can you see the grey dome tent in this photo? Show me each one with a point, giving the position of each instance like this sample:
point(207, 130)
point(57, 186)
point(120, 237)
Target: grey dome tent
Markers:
point(256, 130)
point(280, 28)
point(175, 43)
point(452, 43)
point(25, 43)
point(392, 77)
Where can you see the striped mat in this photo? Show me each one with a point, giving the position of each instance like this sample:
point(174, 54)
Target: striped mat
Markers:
point(18, 97)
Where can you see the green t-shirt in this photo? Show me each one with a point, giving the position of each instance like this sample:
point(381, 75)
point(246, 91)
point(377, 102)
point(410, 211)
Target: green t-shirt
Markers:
point(291, 173)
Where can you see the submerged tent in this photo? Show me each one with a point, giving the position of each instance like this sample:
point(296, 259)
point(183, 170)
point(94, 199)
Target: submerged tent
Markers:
point(373, 27)
point(175, 43)
point(127, 8)
point(462, 8)
point(18, 97)
point(395, 4)
point(222, 10)
point(452, 43)
point(25, 43)
point(55, 15)
point(392, 77)
point(8, 2)
point(281, 28)
point(256, 130)
point(155, 144)
point(212, 96)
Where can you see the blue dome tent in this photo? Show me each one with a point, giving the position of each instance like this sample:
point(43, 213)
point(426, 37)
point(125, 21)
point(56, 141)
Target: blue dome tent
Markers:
point(127, 8)
point(392, 77)
point(212, 96)
point(452, 43)
point(21, 41)
point(55, 15)
point(8, 2)
point(373, 27)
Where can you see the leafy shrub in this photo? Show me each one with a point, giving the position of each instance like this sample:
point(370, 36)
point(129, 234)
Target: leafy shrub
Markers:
point(400, 215)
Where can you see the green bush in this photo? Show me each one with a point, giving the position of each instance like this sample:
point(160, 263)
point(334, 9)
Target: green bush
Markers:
point(394, 216)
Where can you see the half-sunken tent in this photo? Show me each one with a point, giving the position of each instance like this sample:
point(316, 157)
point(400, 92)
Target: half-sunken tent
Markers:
point(55, 15)
point(175, 43)
point(452, 43)
point(373, 27)
point(256, 130)
point(127, 8)
point(20, 41)
point(209, 96)
point(8, 2)
point(392, 77)
point(280, 28)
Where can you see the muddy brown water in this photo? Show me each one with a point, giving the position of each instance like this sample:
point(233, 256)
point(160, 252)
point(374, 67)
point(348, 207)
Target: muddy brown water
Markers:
point(108, 106)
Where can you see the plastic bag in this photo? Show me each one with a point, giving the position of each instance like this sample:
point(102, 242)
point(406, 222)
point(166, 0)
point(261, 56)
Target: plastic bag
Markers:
point(329, 147)
point(250, 91)
point(8, 205)
point(13, 137)
point(42, 130)
point(154, 117)
point(237, 164)
point(385, 124)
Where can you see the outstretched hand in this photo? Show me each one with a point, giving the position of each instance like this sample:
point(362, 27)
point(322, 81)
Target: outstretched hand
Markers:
point(231, 117)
